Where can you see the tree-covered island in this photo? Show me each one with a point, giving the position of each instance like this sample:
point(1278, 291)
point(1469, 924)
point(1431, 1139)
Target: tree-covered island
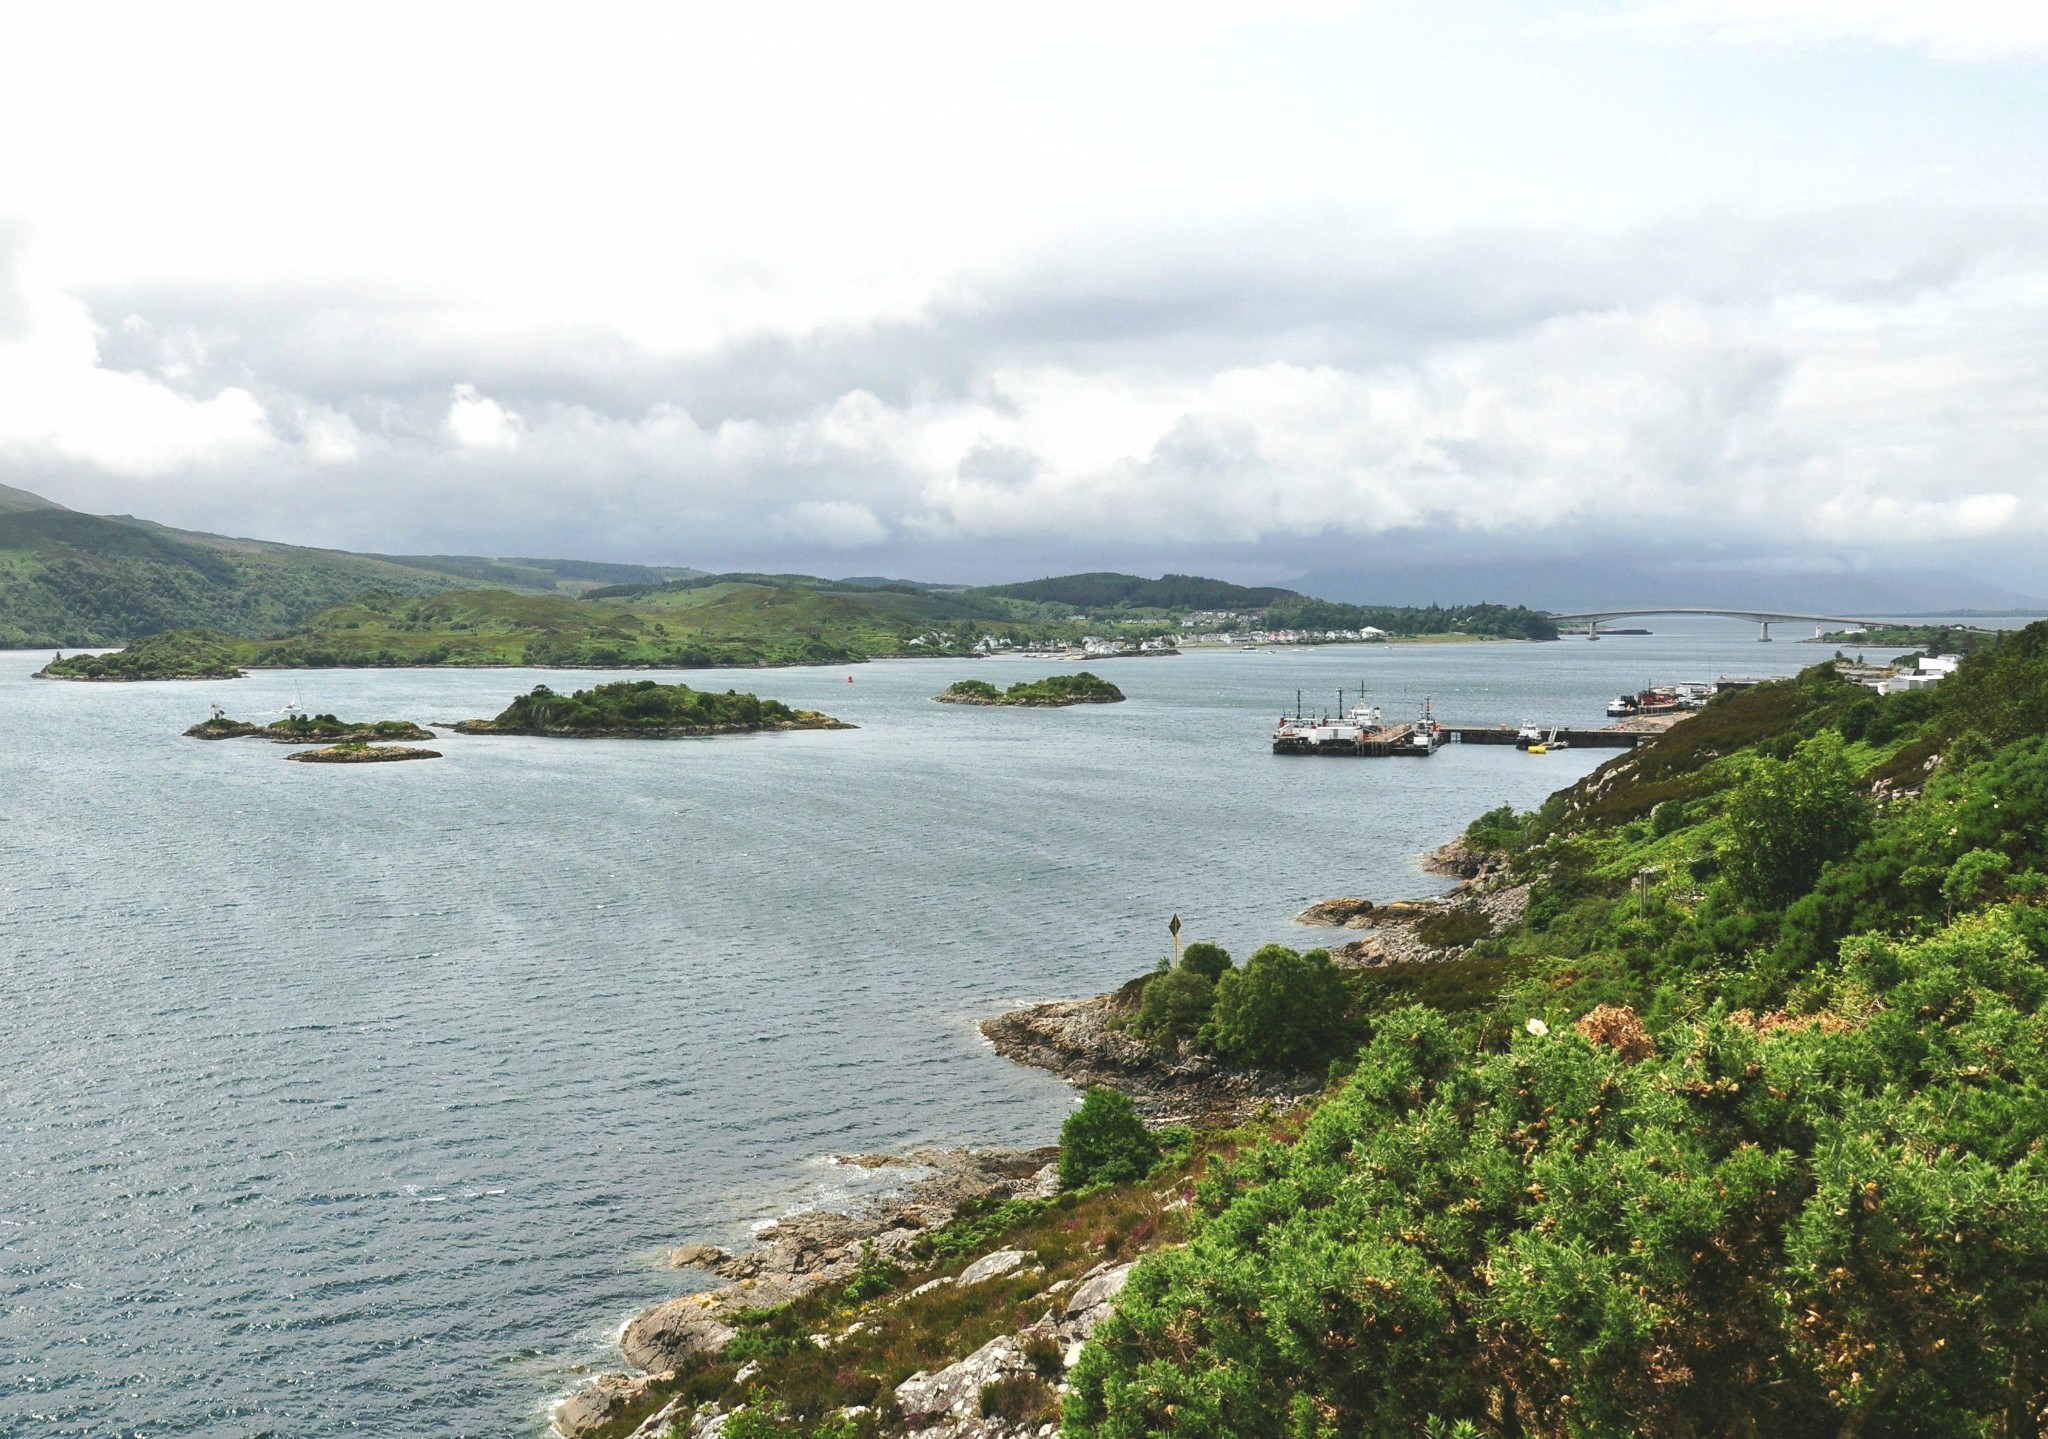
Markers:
point(644, 709)
point(173, 655)
point(309, 729)
point(1075, 689)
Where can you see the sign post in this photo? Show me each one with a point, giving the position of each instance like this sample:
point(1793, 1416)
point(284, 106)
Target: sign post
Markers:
point(1173, 928)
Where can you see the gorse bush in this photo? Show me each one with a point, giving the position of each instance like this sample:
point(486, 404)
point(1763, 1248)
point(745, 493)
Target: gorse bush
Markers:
point(1792, 1225)
point(1104, 1142)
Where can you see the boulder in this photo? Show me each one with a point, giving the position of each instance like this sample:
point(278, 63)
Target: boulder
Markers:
point(698, 1256)
point(1088, 1306)
point(955, 1391)
point(599, 1403)
point(666, 1335)
point(993, 1266)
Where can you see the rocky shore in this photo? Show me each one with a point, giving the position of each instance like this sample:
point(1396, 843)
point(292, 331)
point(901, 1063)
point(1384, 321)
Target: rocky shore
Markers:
point(1078, 1039)
point(794, 1255)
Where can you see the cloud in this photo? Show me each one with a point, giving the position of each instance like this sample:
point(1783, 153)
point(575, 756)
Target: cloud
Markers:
point(60, 404)
point(478, 422)
point(1839, 383)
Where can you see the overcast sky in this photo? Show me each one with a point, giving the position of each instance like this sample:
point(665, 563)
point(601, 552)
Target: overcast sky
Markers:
point(970, 291)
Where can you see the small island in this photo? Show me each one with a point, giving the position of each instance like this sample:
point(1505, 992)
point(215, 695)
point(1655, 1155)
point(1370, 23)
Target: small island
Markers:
point(172, 655)
point(1075, 689)
point(357, 752)
point(644, 709)
point(308, 729)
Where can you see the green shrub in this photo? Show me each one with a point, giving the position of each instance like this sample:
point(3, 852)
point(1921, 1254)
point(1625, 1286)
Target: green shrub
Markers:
point(1016, 1397)
point(1283, 1010)
point(1454, 929)
point(1205, 958)
point(1045, 1356)
point(1174, 1006)
point(1789, 817)
point(1104, 1142)
point(873, 1275)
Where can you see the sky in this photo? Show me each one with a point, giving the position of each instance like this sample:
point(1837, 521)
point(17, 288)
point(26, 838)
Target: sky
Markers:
point(987, 292)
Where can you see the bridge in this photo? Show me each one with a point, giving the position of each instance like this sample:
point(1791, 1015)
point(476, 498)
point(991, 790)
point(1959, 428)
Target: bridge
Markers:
point(1763, 619)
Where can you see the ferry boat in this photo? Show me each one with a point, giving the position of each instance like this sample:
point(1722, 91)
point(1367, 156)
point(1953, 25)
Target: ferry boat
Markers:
point(1298, 734)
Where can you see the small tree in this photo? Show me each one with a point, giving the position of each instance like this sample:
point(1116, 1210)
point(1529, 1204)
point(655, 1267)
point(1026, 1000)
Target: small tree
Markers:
point(1788, 818)
point(1104, 1142)
point(1283, 1010)
point(1205, 958)
point(1174, 1006)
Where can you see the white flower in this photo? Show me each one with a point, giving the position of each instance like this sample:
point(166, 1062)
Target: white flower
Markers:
point(1537, 1027)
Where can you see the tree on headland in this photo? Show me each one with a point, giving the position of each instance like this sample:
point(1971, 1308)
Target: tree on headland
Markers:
point(1283, 1010)
point(1104, 1142)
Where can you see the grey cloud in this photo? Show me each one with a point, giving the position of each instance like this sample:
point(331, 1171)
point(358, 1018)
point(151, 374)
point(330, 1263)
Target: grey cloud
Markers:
point(706, 458)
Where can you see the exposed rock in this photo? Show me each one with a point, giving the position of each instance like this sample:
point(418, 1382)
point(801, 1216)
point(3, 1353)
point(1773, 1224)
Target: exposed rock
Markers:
point(1337, 913)
point(668, 1334)
point(993, 1266)
point(955, 1391)
point(363, 754)
point(1456, 859)
point(698, 1256)
point(1095, 1294)
point(1074, 1038)
point(801, 1251)
point(598, 1403)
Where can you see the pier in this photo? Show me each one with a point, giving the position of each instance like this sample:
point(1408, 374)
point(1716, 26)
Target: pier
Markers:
point(1575, 738)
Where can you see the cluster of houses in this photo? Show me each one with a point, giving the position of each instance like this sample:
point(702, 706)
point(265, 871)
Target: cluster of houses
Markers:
point(1927, 672)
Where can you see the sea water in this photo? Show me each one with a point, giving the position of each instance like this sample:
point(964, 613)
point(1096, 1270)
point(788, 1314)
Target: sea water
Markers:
point(367, 1098)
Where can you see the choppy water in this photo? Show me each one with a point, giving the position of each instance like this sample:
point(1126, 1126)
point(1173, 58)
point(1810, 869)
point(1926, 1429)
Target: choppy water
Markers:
point(366, 1098)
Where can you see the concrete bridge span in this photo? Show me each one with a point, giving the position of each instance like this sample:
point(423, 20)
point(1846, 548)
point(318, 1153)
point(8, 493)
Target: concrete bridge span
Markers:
point(1763, 619)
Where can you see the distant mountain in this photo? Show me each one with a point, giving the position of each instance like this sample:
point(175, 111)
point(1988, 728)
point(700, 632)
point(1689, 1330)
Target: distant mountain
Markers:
point(1565, 586)
point(69, 579)
point(13, 500)
point(1113, 591)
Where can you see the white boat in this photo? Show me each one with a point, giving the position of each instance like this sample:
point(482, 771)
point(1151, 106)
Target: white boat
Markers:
point(1620, 707)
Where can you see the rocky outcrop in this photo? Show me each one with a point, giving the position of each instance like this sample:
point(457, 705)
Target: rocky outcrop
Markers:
point(955, 1391)
point(362, 754)
point(1457, 860)
point(603, 1401)
point(679, 1330)
point(1077, 1039)
point(993, 1266)
point(1338, 913)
